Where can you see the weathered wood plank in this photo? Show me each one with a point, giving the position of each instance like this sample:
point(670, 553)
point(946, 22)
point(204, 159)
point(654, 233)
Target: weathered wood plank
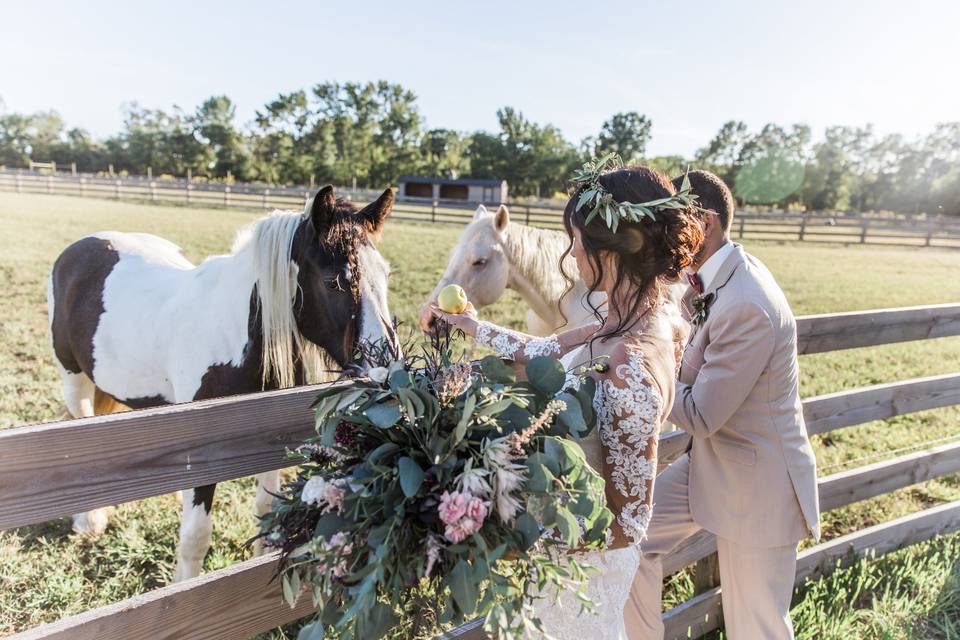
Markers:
point(879, 539)
point(702, 614)
point(846, 408)
point(835, 331)
point(236, 602)
point(876, 479)
point(59, 468)
point(696, 617)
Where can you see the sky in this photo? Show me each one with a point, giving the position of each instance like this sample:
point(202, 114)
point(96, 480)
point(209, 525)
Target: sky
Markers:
point(689, 66)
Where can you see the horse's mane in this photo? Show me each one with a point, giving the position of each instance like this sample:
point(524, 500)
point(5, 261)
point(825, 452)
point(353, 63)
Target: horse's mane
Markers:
point(269, 243)
point(539, 252)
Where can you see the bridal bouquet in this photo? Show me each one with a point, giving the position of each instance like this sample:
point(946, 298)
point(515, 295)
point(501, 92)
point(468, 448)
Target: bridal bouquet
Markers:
point(441, 475)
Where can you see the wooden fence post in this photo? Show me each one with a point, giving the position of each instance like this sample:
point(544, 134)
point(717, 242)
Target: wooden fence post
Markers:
point(803, 226)
point(17, 181)
point(50, 183)
point(226, 196)
point(863, 230)
point(117, 189)
point(266, 197)
point(528, 216)
point(433, 212)
point(153, 191)
point(742, 223)
point(73, 168)
point(706, 574)
point(188, 192)
point(83, 186)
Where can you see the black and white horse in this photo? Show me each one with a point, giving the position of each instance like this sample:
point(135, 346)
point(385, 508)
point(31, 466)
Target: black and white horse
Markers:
point(134, 322)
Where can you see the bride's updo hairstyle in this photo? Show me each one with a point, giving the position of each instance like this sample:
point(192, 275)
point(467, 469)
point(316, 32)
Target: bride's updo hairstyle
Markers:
point(649, 254)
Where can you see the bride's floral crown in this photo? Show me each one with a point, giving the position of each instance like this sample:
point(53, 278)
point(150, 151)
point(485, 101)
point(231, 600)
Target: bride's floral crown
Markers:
point(602, 203)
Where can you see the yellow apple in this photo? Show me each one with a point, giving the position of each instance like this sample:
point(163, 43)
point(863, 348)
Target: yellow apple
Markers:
point(452, 299)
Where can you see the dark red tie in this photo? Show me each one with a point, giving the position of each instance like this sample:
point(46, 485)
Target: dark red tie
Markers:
point(695, 282)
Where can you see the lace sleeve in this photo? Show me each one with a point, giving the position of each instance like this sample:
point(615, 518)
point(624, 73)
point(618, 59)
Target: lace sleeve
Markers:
point(629, 413)
point(521, 347)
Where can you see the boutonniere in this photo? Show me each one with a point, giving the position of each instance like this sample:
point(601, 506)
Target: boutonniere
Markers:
point(701, 308)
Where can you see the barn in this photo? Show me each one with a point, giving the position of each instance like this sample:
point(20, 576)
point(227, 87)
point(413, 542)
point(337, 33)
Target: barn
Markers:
point(463, 189)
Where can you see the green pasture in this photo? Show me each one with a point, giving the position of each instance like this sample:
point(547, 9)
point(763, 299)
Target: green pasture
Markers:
point(46, 572)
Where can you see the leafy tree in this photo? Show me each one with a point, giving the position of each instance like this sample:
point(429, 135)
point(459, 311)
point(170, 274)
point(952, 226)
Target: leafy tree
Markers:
point(626, 134)
point(443, 152)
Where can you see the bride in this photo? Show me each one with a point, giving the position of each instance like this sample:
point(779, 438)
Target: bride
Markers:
point(630, 252)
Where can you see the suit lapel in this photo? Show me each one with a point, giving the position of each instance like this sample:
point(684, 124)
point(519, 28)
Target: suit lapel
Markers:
point(727, 269)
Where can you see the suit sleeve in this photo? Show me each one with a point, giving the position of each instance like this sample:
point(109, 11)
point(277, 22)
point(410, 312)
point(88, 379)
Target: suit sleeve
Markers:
point(741, 343)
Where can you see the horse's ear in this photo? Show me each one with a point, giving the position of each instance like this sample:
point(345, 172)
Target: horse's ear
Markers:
point(375, 213)
point(322, 209)
point(502, 218)
point(481, 211)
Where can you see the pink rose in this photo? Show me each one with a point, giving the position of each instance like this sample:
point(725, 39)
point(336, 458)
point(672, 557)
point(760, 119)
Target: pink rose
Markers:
point(455, 533)
point(477, 511)
point(453, 506)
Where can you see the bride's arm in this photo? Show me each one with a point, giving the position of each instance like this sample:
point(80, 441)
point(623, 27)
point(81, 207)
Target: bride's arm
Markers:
point(629, 418)
point(517, 346)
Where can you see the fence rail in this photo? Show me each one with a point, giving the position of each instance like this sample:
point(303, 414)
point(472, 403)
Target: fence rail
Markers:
point(55, 469)
point(813, 227)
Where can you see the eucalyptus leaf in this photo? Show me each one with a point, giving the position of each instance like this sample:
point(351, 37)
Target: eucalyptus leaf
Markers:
point(313, 631)
point(546, 374)
point(380, 620)
point(411, 476)
point(495, 370)
point(329, 525)
point(384, 415)
point(572, 416)
point(528, 528)
point(568, 526)
point(463, 587)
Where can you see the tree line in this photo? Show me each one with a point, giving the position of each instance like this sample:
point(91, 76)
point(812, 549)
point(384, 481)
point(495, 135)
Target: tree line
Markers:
point(372, 133)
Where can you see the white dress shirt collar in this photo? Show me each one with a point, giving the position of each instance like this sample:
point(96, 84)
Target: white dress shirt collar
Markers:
point(710, 268)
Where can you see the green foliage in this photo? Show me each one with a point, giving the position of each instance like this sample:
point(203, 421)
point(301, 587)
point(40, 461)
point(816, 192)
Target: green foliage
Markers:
point(365, 520)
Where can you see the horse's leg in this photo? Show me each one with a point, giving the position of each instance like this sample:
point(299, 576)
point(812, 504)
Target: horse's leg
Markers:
point(267, 483)
point(79, 395)
point(195, 531)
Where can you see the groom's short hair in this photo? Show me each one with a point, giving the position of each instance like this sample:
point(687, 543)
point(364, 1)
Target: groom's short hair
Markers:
point(712, 193)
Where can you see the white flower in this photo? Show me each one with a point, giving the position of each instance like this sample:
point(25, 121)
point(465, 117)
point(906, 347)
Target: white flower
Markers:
point(327, 494)
point(474, 481)
point(378, 374)
point(506, 476)
point(314, 490)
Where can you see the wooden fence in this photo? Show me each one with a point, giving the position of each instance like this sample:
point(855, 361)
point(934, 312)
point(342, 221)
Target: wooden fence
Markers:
point(55, 469)
point(813, 227)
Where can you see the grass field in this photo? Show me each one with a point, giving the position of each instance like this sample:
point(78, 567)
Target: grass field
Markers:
point(47, 573)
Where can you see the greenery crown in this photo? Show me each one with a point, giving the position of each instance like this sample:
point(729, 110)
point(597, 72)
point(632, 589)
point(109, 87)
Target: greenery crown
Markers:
point(602, 203)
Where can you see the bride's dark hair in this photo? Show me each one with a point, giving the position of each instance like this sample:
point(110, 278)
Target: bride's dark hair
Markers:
point(648, 253)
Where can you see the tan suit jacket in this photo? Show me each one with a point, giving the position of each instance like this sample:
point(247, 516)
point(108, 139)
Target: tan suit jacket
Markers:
point(753, 475)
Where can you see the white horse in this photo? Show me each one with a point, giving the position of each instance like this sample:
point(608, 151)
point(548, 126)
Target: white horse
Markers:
point(493, 255)
point(133, 322)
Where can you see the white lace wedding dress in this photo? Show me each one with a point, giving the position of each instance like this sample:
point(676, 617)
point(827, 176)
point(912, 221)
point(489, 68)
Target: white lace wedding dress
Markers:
point(622, 447)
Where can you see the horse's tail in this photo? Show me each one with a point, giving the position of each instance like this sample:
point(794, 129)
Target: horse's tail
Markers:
point(104, 403)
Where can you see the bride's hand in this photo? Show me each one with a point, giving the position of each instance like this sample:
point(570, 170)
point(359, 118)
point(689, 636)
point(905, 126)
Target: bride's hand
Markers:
point(466, 321)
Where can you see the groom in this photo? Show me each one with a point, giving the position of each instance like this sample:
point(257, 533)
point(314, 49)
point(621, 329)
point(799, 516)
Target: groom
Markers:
point(750, 476)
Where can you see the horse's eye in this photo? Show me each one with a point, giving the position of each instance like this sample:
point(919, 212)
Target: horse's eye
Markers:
point(334, 283)
point(479, 262)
